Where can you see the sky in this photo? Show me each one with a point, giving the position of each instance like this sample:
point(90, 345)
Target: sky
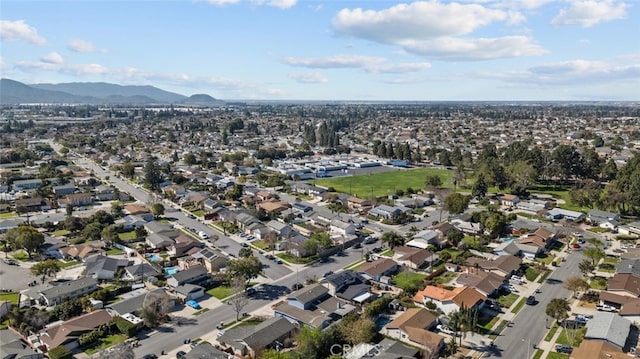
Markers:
point(377, 50)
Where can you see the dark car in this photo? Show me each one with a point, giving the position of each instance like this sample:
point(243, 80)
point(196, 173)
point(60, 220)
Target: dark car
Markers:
point(563, 348)
point(297, 286)
point(150, 356)
point(531, 300)
point(326, 274)
point(180, 354)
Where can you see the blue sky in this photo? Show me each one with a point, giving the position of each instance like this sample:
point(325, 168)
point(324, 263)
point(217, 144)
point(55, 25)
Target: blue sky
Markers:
point(332, 50)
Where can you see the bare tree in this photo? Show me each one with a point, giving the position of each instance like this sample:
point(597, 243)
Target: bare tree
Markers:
point(239, 299)
point(155, 308)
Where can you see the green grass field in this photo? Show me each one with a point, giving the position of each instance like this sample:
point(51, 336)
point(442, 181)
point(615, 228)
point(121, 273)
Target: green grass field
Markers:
point(8, 215)
point(127, 236)
point(12, 297)
point(105, 343)
point(385, 183)
point(220, 292)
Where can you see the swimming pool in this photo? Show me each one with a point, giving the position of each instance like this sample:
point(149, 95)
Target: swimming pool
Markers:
point(381, 322)
point(508, 239)
point(153, 258)
point(171, 270)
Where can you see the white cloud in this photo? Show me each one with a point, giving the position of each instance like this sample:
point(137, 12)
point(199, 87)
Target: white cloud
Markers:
point(79, 45)
point(398, 68)
point(435, 29)
point(3, 65)
point(590, 12)
point(19, 30)
point(283, 4)
point(338, 61)
point(309, 78)
point(37, 65)
point(85, 69)
point(222, 2)
point(52, 58)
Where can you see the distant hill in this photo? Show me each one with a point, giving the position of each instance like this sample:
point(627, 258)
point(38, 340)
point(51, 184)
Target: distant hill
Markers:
point(14, 92)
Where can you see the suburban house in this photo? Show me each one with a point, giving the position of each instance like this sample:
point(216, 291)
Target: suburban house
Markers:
point(449, 300)
point(502, 265)
point(12, 346)
point(182, 244)
point(55, 294)
point(532, 206)
point(207, 257)
point(414, 258)
point(312, 306)
point(249, 340)
point(139, 272)
point(385, 211)
point(413, 327)
point(607, 333)
point(509, 200)
point(624, 284)
point(83, 251)
point(192, 275)
point(463, 223)
point(68, 332)
point(632, 228)
point(104, 193)
point(424, 238)
point(350, 286)
point(341, 227)
point(535, 243)
point(295, 245)
point(378, 269)
point(103, 267)
point(27, 184)
point(358, 204)
point(283, 230)
point(628, 307)
point(556, 214)
point(487, 283)
point(132, 302)
point(205, 350)
point(596, 217)
point(64, 189)
point(79, 199)
point(386, 349)
point(189, 291)
point(273, 206)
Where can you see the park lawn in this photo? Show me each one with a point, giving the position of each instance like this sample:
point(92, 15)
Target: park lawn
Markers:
point(220, 292)
point(8, 215)
point(571, 337)
point(12, 297)
point(546, 260)
point(105, 343)
point(408, 279)
point(384, 183)
point(60, 233)
point(127, 236)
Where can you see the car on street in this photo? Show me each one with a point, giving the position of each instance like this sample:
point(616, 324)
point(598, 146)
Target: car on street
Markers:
point(575, 246)
point(181, 354)
point(10, 261)
point(563, 348)
point(297, 286)
point(357, 245)
point(251, 290)
point(511, 288)
point(326, 274)
point(370, 240)
point(193, 304)
point(531, 300)
point(244, 244)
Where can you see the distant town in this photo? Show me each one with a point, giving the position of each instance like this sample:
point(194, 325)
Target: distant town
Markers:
point(300, 230)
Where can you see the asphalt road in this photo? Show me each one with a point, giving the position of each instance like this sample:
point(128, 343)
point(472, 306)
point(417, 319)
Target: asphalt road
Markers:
point(529, 325)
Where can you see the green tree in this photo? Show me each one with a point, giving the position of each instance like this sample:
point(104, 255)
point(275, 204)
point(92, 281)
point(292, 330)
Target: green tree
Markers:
point(575, 284)
point(247, 268)
point(189, 159)
point(310, 247)
point(455, 237)
point(110, 235)
point(595, 254)
point(157, 209)
point(245, 252)
point(316, 343)
point(152, 174)
point(46, 268)
point(25, 237)
point(522, 176)
point(92, 231)
point(128, 169)
point(456, 203)
point(479, 189)
point(432, 182)
point(392, 239)
point(357, 329)
point(239, 300)
point(586, 267)
point(558, 309)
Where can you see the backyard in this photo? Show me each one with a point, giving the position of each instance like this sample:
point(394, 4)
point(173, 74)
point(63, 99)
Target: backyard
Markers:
point(409, 281)
point(12, 297)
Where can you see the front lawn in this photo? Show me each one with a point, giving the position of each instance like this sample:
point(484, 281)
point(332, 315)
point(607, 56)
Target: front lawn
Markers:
point(546, 260)
point(598, 230)
point(105, 343)
point(611, 260)
point(571, 337)
point(198, 213)
point(21, 256)
point(260, 244)
point(409, 281)
point(599, 283)
point(67, 264)
point(12, 297)
point(507, 300)
point(556, 355)
point(607, 267)
point(519, 306)
point(8, 215)
point(531, 273)
point(114, 251)
point(220, 292)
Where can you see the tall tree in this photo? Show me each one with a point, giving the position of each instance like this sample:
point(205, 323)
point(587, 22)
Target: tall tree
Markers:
point(246, 268)
point(392, 239)
point(479, 189)
point(46, 268)
point(239, 300)
point(155, 307)
point(25, 237)
point(152, 174)
point(558, 309)
point(157, 209)
point(575, 284)
point(586, 267)
point(456, 203)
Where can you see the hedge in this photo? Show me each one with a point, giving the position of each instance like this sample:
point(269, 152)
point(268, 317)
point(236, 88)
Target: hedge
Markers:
point(126, 327)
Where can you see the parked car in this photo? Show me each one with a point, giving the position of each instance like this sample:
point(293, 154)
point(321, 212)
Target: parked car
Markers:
point(326, 274)
point(575, 246)
point(606, 308)
point(181, 354)
point(563, 348)
point(445, 329)
point(512, 288)
point(531, 300)
point(193, 304)
point(251, 290)
point(297, 286)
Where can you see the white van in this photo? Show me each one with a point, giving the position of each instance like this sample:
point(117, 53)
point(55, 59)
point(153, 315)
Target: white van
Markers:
point(203, 235)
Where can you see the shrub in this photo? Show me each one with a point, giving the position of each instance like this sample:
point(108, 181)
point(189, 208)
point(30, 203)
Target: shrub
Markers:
point(125, 327)
point(59, 352)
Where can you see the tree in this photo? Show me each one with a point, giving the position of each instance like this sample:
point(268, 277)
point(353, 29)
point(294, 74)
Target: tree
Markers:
point(586, 267)
point(316, 343)
point(69, 210)
point(155, 307)
point(456, 203)
point(310, 247)
point(92, 231)
point(46, 268)
point(357, 329)
point(116, 209)
point(110, 235)
point(392, 239)
point(479, 189)
point(239, 300)
point(247, 268)
point(558, 309)
point(157, 209)
point(432, 182)
point(522, 175)
point(128, 169)
point(595, 254)
point(245, 252)
point(454, 237)
point(152, 174)
point(576, 284)
point(189, 159)
point(25, 237)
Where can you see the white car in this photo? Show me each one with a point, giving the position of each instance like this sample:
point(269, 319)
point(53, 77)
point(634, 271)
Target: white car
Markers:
point(445, 329)
point(511, 288)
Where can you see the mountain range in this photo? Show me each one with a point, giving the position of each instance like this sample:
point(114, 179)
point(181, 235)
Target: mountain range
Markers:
point(14, 92)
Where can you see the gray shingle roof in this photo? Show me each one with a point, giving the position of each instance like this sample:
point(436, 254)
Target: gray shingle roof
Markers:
point(610, 327)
